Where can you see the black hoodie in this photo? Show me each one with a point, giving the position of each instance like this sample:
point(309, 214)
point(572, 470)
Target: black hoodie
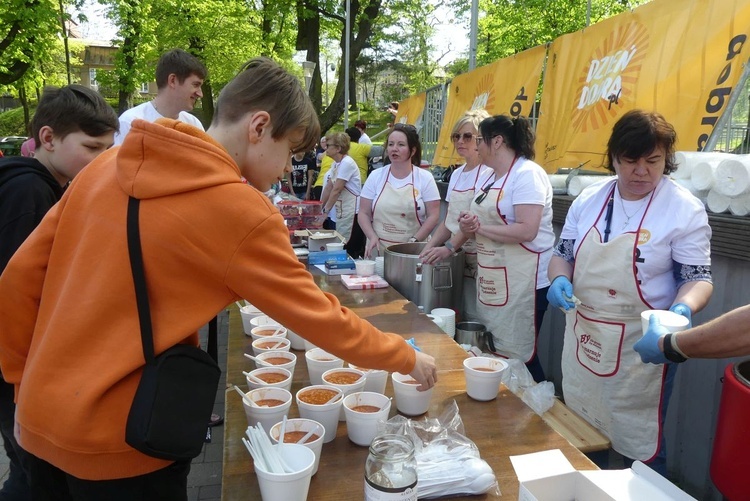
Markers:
point(27, 191)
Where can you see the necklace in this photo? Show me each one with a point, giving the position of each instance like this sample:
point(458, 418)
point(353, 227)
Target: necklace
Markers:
point(628, 217)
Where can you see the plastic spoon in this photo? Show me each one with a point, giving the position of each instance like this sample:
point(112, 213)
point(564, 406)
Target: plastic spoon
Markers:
point(257, 360)
point(307, 435)
point(254, 379)
point(282, 432)
point(244, 397)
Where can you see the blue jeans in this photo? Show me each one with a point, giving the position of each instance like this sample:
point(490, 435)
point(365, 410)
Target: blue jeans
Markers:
point(16, 486)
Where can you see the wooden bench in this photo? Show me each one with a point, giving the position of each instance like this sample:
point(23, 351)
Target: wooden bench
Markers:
point(575, 429)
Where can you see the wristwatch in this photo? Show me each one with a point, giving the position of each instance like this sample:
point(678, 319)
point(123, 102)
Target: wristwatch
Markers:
point(448, 245)
point(670, 353)
point(412, 240)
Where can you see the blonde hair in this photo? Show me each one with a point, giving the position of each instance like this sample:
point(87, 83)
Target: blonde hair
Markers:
point(340, 139)
point(473, 117)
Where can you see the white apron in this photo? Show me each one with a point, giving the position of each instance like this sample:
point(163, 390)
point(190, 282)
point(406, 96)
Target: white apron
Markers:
point(506, 284)
point(460, 202)
point(604, 379)
point(394, 214)
point(346, 207)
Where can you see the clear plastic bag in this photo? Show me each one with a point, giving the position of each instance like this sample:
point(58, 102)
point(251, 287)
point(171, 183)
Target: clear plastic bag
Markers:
point(448, 463)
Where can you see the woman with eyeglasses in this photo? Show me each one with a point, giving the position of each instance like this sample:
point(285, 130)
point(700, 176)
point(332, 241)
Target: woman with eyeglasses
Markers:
point(400, 202)
point(511, 221)
point(461, 191)
point(341, 185)
point(633, 242)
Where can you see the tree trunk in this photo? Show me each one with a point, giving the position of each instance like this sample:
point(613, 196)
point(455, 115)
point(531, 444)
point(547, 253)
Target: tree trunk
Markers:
point(363, 30)
point(308, 38)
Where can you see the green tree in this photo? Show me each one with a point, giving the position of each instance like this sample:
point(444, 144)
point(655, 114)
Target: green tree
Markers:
point(29, 30)
point(512, 26)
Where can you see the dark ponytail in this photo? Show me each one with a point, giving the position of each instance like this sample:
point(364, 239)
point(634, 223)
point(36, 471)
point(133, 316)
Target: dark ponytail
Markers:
point(517, 133)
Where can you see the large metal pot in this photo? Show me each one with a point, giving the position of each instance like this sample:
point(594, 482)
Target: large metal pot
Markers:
point(431, 286)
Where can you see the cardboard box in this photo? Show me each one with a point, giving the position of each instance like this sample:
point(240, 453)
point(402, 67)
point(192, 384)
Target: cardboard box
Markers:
point(317, 239)
point(549, 476)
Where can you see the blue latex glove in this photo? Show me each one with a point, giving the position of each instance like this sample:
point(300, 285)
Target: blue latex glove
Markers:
point(413, 344)
point(684, 310)
point(560, 293)
point(648, 346)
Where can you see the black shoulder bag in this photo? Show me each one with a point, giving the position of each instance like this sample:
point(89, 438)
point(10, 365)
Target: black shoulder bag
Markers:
point(175, 397)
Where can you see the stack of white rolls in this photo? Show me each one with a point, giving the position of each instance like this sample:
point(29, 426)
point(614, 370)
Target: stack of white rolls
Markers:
point(722, 188)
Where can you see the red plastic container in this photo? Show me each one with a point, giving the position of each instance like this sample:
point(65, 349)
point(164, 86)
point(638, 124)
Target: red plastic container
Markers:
point(730, 460)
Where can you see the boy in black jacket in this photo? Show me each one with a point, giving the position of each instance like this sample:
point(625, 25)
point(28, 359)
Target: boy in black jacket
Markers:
point(71, 126)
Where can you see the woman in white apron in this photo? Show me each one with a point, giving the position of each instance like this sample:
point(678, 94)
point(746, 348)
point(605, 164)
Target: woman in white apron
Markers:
point(511, 220)
point(399, 202)
point(630, 243)
point(342, 186)
point(446, 239)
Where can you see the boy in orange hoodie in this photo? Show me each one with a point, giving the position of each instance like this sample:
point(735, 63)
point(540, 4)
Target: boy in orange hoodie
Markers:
point(69, 332)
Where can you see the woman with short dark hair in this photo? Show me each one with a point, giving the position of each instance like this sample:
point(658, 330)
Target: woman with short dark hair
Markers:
point(633, 242)
point(511, 221)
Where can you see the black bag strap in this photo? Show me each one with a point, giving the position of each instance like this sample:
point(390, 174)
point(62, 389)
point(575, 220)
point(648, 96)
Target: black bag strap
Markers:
point(139, 279)
point(141, 292)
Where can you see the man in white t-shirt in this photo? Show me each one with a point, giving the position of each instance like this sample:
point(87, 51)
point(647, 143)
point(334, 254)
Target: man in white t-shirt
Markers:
point(179, 77)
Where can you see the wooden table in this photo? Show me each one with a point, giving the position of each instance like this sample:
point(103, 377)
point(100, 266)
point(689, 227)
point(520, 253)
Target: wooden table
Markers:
point(500, 428)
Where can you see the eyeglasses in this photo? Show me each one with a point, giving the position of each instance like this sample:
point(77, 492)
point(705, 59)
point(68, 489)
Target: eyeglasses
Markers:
point(466, 136)
point(400, 126)
point(480, 138)
point(485, 191)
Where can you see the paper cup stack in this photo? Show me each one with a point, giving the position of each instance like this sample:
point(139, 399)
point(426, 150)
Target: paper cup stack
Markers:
point(449, 319)
point(380, 266)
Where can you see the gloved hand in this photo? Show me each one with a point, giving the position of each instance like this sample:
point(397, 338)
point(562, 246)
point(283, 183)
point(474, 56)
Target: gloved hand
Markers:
point(560, 293)
point(684, 310)
point(648, 346)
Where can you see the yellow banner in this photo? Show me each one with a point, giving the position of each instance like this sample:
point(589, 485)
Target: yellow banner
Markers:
point(410, 110)
point(681, 58)
point(506, 86)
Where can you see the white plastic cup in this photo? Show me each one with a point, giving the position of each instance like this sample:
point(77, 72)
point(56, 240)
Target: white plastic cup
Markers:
point(270, 359)
point(439, 321)
point(319, 361)
point(449, 319)
point(285, 384)
point(302, 426)
point(326, 413)
point(347, 388)
point(379, 266)
point(297, 341)
point(409, 401)
point(266, 331)
point(375, 379)
point(362, 427)
point(247, 313)
point(308, 345)
point(277, 343)
point(672, 321)
point(364, 267)
point(262, 320)
point(483, 376)
point(288, 486)
point(267, 416)
point(334, 246)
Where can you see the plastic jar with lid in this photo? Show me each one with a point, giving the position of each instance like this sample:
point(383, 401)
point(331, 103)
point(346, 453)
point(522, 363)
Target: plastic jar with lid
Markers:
point(391, 469)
